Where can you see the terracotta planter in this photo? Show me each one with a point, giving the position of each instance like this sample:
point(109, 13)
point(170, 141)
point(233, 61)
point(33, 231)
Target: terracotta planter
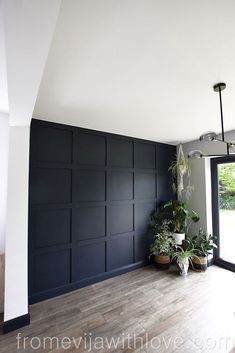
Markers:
point(179, 237)
point(199, 263)
point(162, 262)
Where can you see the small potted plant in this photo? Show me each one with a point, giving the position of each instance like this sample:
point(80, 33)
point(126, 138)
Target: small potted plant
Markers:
point(162, 247)
point(181, 218)
point(202, 244)
point(183, 257)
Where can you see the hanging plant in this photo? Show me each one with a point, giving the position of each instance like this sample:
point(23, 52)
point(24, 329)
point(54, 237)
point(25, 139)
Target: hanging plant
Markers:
point(181, 170)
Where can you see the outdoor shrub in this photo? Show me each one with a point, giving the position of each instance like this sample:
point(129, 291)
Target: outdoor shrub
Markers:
point(227, 202)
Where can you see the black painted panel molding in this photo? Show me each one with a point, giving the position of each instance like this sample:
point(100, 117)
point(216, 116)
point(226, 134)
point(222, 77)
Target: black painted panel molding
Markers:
point(90, 197)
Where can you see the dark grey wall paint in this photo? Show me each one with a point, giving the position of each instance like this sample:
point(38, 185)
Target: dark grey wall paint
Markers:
point(91, 195)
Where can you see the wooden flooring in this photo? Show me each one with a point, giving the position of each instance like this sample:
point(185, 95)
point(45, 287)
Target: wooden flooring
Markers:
point(147, 310)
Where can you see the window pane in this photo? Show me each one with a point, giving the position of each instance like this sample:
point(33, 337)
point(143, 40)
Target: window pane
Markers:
point(226, 177)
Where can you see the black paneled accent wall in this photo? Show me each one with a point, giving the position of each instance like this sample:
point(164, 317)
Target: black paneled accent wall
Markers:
point(90, 198)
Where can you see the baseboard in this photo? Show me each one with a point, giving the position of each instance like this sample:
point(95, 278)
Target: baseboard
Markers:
point(16, 323)
point(35, 298)
point(2, 280)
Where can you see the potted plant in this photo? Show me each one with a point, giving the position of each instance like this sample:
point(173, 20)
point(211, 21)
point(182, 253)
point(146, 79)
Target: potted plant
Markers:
point(162, 247)
point(181, 218)
point(202, 244)
point(181, 170)
point(183, 258)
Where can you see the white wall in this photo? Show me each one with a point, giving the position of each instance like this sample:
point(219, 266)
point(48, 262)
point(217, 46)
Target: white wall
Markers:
point(16, 257)
point(201, 178)
point(4, 106)
point(4, 140)
point(26, 39)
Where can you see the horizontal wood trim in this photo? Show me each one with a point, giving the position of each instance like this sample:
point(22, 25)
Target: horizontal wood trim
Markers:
point(70, 128)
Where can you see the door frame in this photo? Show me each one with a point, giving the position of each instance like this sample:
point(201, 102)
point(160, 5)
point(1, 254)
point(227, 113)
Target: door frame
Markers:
point(215, 209)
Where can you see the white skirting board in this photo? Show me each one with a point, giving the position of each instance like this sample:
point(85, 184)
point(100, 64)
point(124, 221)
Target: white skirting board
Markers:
point(2, 276)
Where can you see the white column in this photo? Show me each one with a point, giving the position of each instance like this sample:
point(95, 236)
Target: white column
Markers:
point(4, 141)
point(16, 247)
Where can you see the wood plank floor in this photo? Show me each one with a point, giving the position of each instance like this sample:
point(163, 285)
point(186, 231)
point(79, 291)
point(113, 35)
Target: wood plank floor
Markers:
point(143, 311)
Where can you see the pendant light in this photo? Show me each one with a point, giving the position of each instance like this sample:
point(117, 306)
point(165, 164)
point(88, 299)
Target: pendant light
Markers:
point(212, 136)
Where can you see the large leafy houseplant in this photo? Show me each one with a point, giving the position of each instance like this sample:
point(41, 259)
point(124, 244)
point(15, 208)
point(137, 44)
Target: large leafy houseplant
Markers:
point(202, 244)
point(163, 246)
point(178, 216)
point(181, 218)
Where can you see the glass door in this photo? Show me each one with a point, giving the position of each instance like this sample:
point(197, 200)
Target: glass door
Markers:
point(223, 204)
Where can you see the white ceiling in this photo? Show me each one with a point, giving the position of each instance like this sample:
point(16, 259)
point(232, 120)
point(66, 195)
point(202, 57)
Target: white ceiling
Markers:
point(26, 31)
point(143, 68)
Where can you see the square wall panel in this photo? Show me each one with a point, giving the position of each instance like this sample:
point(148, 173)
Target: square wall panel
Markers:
point(120, 252)
point(144, 155)
point(120, 186)
point(120, 219)
point(88, 185)
point(142, 244)
point(50, 185)
point(51, 270)
point(164, 187)
point(51, 145)
point(51, 227)
point(142, 216)
point(88, 261)
point(88, 223)
point(120, 153)
point(145, 186)
point(165, 156)
point(91, 149)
